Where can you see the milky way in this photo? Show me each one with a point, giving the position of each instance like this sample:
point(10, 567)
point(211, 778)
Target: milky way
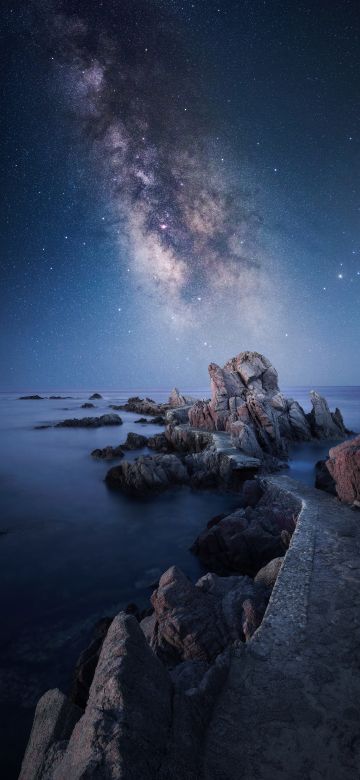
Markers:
point(186, 219)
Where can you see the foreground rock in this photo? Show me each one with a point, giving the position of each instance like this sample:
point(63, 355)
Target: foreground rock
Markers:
point(248, 539)
point(90, 422)
point(148, 474)
point(344, 467)
point(246, 402)
point(197, 622)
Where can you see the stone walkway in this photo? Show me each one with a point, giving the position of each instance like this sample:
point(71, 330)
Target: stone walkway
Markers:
point(291, 706)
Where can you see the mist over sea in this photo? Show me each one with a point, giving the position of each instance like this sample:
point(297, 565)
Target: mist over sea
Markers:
point(72, 551)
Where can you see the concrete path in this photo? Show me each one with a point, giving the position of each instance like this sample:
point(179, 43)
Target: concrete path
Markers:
point(291, 706)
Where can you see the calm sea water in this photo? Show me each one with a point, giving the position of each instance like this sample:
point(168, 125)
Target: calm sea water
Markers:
point(72, 551)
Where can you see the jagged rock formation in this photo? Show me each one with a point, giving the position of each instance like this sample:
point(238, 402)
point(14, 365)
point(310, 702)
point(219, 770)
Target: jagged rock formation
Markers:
point(178, 399)
point(247, 403)
point(344, 467)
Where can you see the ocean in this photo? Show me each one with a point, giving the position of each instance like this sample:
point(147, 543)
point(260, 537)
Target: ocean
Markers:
point(72, 551)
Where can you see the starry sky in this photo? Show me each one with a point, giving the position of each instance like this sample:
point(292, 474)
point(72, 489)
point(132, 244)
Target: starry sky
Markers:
point(181, 183)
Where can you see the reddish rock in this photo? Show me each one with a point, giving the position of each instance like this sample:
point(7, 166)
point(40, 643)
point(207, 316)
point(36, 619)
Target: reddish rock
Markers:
point(197, 622)
point(344, 467)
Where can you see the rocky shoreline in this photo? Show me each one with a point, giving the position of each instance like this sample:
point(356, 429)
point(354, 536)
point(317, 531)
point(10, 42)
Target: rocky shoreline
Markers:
point(145, 690)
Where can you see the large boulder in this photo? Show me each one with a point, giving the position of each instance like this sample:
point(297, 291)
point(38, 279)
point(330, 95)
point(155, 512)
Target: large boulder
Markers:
point(241, 543)
point(148, 474)
point(344, 467)
point(197, 622)
point(128, 710)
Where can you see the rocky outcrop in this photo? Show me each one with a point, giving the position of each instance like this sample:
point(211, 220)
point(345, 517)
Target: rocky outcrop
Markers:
point(178, 399)
point(134, 441)
point(90, 422)
point(140, 720)
point(197, 622)
point(249, 538)
point(88, 405)
point(325, 424)
point(95, 397)
point(108, 453)
point(144, 406)
point(148, 474)
point(247, 403)
point(54, 721)
point(344, 467)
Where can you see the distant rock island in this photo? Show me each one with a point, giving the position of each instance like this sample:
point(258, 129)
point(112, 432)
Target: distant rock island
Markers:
point(252, 671)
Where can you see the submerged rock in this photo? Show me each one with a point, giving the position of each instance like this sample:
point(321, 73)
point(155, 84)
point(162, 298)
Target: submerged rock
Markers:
point(158, 420)
point(344, 467)
point(108, 453)
point(88, 405)
point(31, 398)
point(90, 422)
point(95, 397)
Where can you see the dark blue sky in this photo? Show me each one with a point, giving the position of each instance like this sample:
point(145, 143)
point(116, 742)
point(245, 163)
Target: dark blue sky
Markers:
point(181, 182)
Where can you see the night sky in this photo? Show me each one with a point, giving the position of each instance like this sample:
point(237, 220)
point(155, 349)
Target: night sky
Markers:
point(181, 183)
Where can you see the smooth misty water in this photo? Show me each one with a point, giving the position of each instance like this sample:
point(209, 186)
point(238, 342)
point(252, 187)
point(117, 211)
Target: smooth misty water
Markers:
point(72, 551)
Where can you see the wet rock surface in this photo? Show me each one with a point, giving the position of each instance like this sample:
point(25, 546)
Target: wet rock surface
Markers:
point(344, 467)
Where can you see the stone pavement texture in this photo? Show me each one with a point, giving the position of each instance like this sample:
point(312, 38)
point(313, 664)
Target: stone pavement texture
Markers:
point(290, 708)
